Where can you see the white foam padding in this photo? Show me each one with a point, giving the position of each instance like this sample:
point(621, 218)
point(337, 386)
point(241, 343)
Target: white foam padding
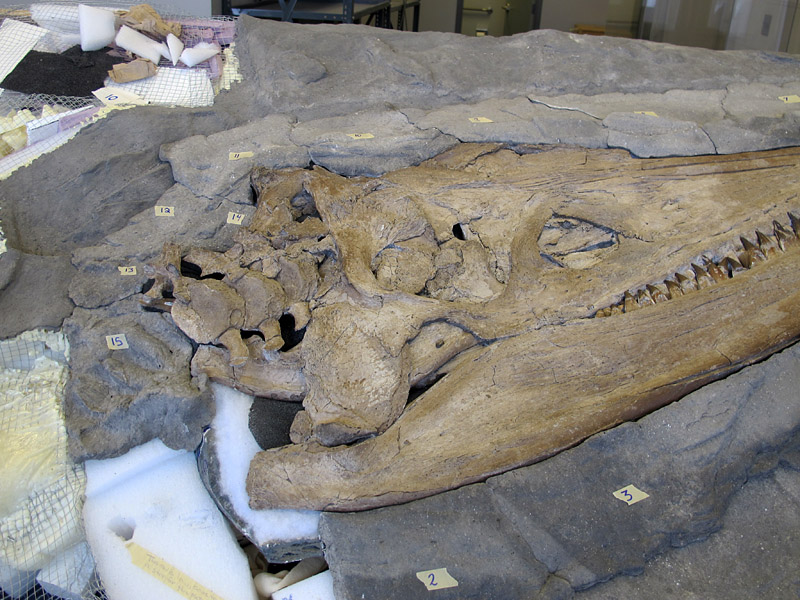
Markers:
point(235, 447)
point(138, 43)
point(152, 498)
point(96, 27)
point(172, 87)
point(199, 53)
point(61, 18)
point(70, 574)
point(16, 40)
point(175, 46)
point(318, 587)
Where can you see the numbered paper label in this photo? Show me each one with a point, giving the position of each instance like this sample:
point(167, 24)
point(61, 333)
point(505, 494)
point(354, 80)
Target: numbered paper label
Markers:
point(235, 218)
point(111, 96)
point(169, 575)
point(240, 155)
point(361, 136)
point(630, 494)
point(649, 113)
point(127, 270)
point(437, 579)
point(480, 120)
point(116, 342)
point(790, 99)
point(165, 211)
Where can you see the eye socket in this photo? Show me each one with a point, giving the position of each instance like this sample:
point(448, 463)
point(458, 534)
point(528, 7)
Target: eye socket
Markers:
point(459, 232)
point(575, 243)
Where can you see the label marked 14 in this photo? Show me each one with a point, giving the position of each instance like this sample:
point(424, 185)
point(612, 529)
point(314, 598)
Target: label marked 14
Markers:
point(117, 342)
point(127, 270)
point(437, 579)
point(630, 494)
point(235, 218)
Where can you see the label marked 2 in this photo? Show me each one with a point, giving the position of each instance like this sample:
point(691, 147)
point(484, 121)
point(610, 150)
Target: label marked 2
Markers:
point(127, 270)
point(235, 218)
point(794, 98)
point(437, 579)
point(361, 136)
point(480, 120)
point(165, 211)
point(239, 155)
point(117, 342)
point(630, 494)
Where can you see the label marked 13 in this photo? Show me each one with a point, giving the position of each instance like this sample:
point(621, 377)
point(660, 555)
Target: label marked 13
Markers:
point(437, 579)
point(127, 270)
point(630, 494)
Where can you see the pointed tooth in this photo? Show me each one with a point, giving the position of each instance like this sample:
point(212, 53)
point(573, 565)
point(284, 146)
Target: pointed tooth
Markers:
point(687, 284)
point(795, 221)
point(766, 244)
point(656, 293)
point(731, 265)
point(617, 309)
point(603, 312)
point(673, 288)
point(752, 254)
point(643, 298)
point(629, 302)
point(713, 269)
point(703, 278)
point(785, 237)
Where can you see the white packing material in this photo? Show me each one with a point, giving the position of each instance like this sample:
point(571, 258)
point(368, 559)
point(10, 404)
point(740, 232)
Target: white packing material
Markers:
point(16, 40)
point(199, 53)
point(175, 46)
point(318, 587)
point(97, 27)
point(138, 43)
point(61, 18)
point(70, 575)
point(172, 87)
point(155, 532)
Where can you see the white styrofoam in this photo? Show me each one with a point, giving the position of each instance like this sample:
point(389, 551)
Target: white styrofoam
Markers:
point(235, 447)
point(138, 43)
point(197, 54)
point(154, 498)
point(69, 575)
point(318, 587)
point(175, 46)
point(96, 27)
point(16, 40)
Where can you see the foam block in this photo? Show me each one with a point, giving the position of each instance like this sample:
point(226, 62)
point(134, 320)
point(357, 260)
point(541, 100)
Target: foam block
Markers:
point(199, 53)
point(138, 43)
point(155, 532)
point(96, 27)
point(318, 587)
point(175, 46)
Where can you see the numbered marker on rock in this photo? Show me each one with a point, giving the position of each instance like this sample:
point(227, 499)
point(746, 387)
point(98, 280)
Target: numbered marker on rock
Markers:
point(117, 342)
point(165, 211)
point(239, 155)
point(235, 218)
point(630, 494)
point(480, 120)
point(649, 113)
point(361, 136)
point(111, 96)
point(794, 98)
point(127, 270)
point(437, 579)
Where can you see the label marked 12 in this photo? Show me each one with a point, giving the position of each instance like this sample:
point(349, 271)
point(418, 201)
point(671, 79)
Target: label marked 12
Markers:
point(117, 342)
point(630, 494)
point(480, 120)
point(127, 270)
point(649, 113)
point(165, 211)
point(235, 218)
point(437, 579)
point(794, 98)
point(361, 136)
point(168, 574)
point(238, 155)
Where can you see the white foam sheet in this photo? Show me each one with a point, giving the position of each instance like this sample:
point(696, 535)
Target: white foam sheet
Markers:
point(153, 498)
point(318, 587)
point(172, 87)
point(16, 40)
point(235, 447)
point(138, 43)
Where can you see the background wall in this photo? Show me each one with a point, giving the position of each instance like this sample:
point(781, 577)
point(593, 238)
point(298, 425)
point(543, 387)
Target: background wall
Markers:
point(200, 8)
point(438, 15)
point(565, 14)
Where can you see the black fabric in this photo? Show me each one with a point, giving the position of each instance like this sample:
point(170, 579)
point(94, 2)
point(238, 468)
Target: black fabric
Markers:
point(71, 73)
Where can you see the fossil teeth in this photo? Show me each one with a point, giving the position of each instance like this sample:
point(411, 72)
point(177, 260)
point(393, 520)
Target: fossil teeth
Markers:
point(687, 284)
point(752, 254)
point(704, 280)
point(785, 237)
point(766, 243)
point(643, 298)
point(731, 265)
point(603, 312)
point(629, 302)
point(617, 309)
point(795, 221)
point(713, 269)
point(656, 293)
point(673, 288)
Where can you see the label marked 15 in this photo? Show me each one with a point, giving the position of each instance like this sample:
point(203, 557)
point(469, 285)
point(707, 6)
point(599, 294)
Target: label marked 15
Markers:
point(630, 494)
point(127, 270)
point(361, 136)
point(235, 218)
point(649, 113)
point(117, 342)
point(794, 98)
point(238, 155)
point(437, 579)
point(165, 211)
point(480, 120)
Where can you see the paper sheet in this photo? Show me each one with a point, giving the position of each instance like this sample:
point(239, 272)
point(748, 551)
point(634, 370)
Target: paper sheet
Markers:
point(16, 40)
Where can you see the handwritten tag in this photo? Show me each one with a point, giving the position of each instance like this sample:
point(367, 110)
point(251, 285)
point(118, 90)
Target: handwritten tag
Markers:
point(239, 155)
point(168, 574)
point(630, 494)
point(235, 218)
point(117, 342)
point(437, 579)
point(165, 211)
point(361, 136)
point(480, 120)
point(793, 99)
point(127, 270)
point(649, 113)
point(111, 96)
